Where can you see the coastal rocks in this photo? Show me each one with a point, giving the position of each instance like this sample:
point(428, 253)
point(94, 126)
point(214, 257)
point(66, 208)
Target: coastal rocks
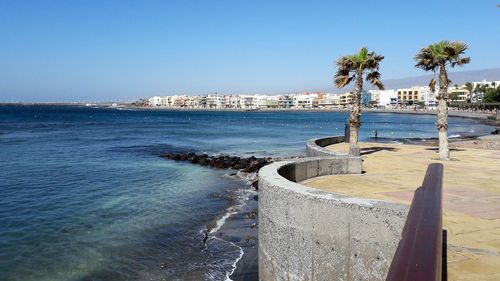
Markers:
point(252, 214)
point(255, 184)
point(248, 241)
point(247, 165)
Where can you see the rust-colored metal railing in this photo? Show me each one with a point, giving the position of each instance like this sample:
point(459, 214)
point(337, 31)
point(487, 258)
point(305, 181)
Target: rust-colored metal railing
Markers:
point(420, 255)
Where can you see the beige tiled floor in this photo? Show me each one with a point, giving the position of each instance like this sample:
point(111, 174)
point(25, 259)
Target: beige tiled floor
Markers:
point(471, 197)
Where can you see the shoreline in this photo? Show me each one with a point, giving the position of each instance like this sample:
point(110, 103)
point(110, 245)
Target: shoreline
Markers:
point(238, 225)
point(487, 118)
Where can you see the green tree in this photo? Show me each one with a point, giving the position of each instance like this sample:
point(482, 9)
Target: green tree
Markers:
point(480, 91)
point(350, 68)
point(437, 57)
point(492, 95)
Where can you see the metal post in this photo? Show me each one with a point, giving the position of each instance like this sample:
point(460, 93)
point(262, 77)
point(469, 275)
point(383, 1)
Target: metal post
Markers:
point(347, 133)
point(444, 253)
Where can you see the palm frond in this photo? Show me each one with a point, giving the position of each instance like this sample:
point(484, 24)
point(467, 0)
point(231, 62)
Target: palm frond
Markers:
point(373, 75)
point(363, 52)
point(372, 61)
point(348, 63)
point(350, 67)
point(342, 80)
point(442, 53)
point(426, 60)
point(460, 61)
point(469, 86)
point(432, 85)
point(377, 83)
point(456, 48)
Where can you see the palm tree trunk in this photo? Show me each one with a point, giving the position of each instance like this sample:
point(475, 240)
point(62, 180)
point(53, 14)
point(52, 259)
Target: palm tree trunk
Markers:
point(442, 114)
point(355, 119)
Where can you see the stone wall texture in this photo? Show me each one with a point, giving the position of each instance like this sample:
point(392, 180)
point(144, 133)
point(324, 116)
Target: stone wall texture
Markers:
point(316, 147)
point(308, 234)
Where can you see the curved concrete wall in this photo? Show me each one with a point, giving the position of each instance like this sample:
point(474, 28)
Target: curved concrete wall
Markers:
point(316, 147)
point(308, 234)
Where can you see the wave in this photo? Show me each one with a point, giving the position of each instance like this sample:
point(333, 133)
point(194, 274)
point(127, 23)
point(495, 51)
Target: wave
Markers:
point(243, 195)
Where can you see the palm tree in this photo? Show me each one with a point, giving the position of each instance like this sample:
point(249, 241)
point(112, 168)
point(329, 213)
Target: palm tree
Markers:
point(437, 57)
point(351, 68)
point(470, 88)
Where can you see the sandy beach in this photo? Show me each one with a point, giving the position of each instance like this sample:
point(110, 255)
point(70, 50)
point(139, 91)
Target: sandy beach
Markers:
point(471, 195)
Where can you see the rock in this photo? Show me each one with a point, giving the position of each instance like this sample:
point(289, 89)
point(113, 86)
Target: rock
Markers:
point(255, 185)
point(204, 162)
point(252, 215)
point(195, 159)
point(247, 165)
point(219, 163)
point(256, 197)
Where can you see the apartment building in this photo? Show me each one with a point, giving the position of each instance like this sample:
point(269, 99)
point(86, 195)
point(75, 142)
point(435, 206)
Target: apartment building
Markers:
point(215, 101)
point(248, 102)
point(408, 96)
point(458, 94)
point(328, 101)
point(285, 101)
point(345, 100)
point(304, 100)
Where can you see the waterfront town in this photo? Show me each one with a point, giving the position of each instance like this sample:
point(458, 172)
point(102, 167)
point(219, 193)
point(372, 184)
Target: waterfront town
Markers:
point(417, 96)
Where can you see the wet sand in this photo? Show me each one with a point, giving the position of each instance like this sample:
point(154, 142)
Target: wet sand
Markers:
point(242, 229)
point(471, 196)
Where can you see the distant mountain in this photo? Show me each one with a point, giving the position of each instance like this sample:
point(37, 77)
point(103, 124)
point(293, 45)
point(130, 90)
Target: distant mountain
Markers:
point(460, 77)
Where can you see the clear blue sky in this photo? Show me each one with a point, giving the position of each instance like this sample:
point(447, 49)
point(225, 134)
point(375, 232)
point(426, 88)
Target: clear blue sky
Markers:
point(121, 50)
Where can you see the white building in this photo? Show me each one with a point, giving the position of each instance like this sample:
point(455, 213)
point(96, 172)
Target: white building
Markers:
point(427, 97)
point(329, 101)
point(384, 98)
point(304, 100)
point(267, 101)
point(491, 84)
point(215, 101)
point(232, 101)
point(248, 101)
point(154, 101)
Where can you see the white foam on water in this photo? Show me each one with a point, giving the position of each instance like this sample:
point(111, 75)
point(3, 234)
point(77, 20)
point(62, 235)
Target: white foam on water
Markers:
point(220, 222)
point(235, 262)
point(243, 196)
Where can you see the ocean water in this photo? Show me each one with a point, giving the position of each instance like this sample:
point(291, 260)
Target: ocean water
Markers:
point(85, 195)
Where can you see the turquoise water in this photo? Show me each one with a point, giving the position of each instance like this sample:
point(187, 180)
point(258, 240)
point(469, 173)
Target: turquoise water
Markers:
point(85, 195)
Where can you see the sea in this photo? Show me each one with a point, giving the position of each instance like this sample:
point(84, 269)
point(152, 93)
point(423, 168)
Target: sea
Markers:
point(85, 195)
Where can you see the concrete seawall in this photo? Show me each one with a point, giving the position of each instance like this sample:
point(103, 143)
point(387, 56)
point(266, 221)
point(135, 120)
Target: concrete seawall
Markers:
point(316, 147)
point(308, 234)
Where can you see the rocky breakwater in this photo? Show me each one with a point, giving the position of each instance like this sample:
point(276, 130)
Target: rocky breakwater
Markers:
point(246, 165)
